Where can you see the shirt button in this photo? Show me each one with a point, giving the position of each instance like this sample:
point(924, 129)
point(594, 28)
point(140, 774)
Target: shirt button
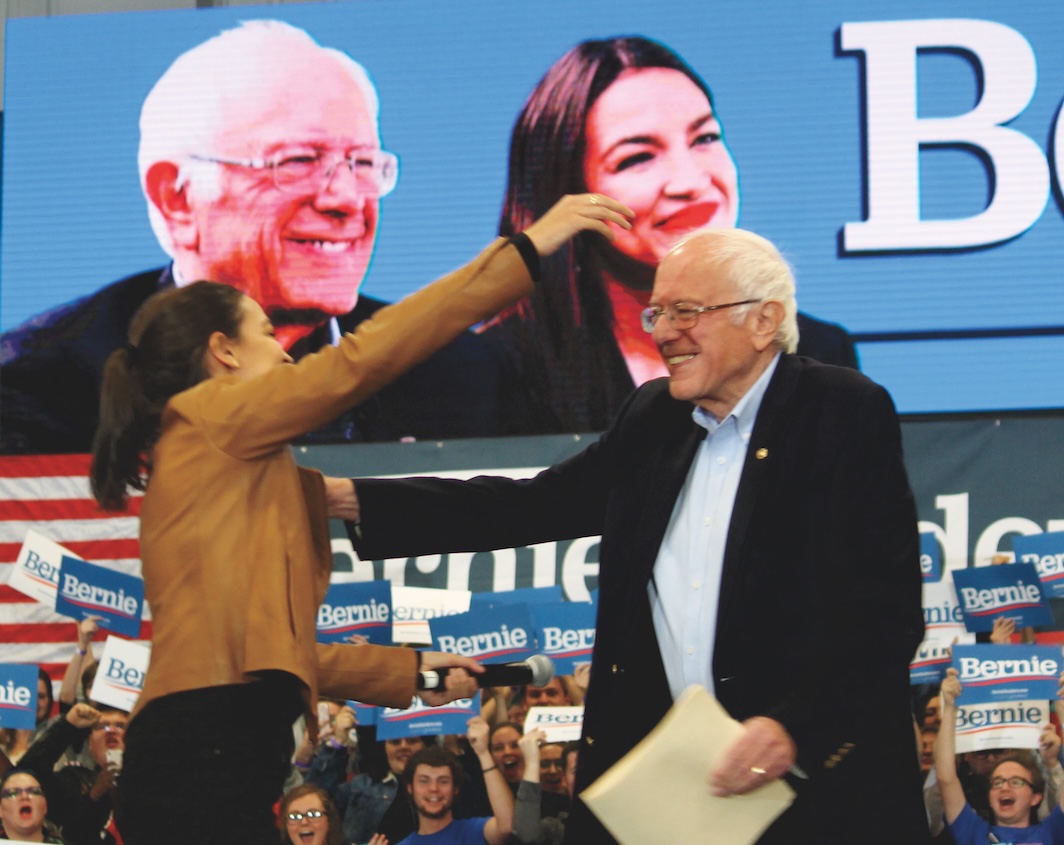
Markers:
point(695, 585)
point(690, 650)
point(706, 521)
point(721, 460)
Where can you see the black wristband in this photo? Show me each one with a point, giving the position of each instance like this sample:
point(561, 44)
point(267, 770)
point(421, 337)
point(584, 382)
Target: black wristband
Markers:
point(523, 244)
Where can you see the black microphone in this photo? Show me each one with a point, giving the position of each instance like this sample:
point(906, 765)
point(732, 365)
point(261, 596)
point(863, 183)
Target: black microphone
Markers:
point(536, 671)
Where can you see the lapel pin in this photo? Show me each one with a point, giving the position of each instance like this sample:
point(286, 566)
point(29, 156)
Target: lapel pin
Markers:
point(761, 454)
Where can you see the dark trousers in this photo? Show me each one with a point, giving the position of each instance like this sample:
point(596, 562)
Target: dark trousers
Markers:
point(207, 765)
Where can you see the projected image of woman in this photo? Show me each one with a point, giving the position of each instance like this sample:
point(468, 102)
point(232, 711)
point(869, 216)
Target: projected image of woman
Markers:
point(628, 118)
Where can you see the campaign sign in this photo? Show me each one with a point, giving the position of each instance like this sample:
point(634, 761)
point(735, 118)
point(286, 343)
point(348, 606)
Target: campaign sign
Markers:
point(365, 714)
point(561, 724)
point(1007, 672)
point(356, 609)
point(120, 676)
point(929, 664)
point(413, 607)
point(18, 695)
point(565, 633)
point(1046, 553)
point(1012, 590)
point(1011, 724)
point(525, 595)
point(36, 572)
point(943, 619)
point(498, 635)
point(86, 589)
point(930, 557)
point(421, 720)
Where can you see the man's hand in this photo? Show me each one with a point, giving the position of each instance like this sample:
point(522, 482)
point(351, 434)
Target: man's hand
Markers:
point(950, 689)
point(1049, 745)
point(477, 733)
point(83, 716)
point(1004, 628)
point(763, 752)
point(530, 744)
point(459, 682)
point(341, 501)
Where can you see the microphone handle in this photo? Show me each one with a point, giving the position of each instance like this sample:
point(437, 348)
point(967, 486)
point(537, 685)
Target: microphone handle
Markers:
point(494, 675)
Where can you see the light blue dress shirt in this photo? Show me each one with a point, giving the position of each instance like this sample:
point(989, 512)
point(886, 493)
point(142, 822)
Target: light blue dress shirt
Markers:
point(685, 586)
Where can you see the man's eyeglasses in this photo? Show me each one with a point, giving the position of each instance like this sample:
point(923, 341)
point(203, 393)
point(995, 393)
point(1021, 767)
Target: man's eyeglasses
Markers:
point(681, 315)
point(376, 171)
point(16, 791)
point(296, 818)
point(1016, 782)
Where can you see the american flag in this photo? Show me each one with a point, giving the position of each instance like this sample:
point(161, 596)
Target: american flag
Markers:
point(50, 494)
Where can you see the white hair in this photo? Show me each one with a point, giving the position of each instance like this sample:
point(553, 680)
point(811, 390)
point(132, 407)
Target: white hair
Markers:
point(186, 109)
point(757, 270)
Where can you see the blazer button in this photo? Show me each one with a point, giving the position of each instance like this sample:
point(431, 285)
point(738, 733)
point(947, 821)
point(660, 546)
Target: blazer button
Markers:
point(589, 740)
point(614, 669)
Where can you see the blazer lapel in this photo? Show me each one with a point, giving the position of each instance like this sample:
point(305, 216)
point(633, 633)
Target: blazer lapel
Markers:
point(755, 470)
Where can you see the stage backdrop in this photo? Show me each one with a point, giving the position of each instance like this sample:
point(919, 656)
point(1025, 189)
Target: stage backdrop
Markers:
point(905, 155)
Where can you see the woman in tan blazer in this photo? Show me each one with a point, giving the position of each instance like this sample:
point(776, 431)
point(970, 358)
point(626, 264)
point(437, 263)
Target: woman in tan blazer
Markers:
point(198, 410)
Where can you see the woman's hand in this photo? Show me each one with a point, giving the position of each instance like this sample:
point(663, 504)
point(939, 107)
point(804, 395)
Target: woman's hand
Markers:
point(577, 213)
point(459, 682)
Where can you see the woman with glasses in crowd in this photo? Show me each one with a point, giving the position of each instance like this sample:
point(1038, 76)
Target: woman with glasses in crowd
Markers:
point(23, 809)
point(308, 817)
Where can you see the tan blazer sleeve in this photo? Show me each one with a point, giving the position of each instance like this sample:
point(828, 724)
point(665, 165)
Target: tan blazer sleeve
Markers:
point(372, 674)
point(248, 419)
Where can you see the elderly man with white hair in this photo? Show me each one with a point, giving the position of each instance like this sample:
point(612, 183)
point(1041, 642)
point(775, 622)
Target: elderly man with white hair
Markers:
point(261, 162)
point(758, 539)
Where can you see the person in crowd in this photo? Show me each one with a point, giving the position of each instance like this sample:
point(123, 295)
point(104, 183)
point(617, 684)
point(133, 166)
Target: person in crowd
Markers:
point(628, 117)
point(745, 486)
point(505, 747)
point(1016, 787)
point(262, 164)
point(532, 825)
point(551, 694)
point(309, 817)
point(198, 409)
point(551, 768)
point(81, 797)
point(24, 809)
point(364, 800)
point(432, 780)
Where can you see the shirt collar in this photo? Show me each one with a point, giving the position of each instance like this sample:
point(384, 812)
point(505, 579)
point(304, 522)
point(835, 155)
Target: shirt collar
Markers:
point(745, 410)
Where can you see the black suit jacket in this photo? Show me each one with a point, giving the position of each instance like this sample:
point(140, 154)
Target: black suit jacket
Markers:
point(819, 610)
point(51, 369)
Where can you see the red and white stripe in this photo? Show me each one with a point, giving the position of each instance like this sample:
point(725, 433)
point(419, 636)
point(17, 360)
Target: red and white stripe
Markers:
point(50, 494)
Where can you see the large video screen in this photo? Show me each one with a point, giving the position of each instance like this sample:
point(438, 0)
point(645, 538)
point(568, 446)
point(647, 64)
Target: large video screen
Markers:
point(905, 156)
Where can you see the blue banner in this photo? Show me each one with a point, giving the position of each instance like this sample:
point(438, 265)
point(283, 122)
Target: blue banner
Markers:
point(498, 635)
point(930, 663)
point(1011, 589)
point(356, 610)
point(366, 714)
point(1046, 553)
point(525, 595)
point(991, 673)
point(930, 556)
point(89, 590)
point(421, 720)
point(18, 695)
point(565, 633)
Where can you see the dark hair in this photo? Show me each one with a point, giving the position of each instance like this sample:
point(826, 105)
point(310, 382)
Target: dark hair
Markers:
point(335, 832)
point(557, 339)
point(18, 770)
point(168, 339)
point(491, 734)
point(435, 757)
point(49, 692)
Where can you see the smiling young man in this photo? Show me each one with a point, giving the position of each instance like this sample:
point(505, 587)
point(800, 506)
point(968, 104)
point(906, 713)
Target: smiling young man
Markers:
point(1017, 788)
point(432, 781)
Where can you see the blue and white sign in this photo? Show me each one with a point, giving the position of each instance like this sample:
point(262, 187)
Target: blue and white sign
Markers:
point(1046, 553)
point(120, 676)
point(930, 556)
point(560, 724)
point(525, 595)
point(413, 607)
point(18, 695)
point(358, 609)
point(565, 632)
point(1008, 672)
point(1013, 724)
point(365, 714)
point(1012, 590)
point(36, 572)
point(89, 590)
point(929, 665)
point(943, 619)
point(421, 720)
point(497, 635)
